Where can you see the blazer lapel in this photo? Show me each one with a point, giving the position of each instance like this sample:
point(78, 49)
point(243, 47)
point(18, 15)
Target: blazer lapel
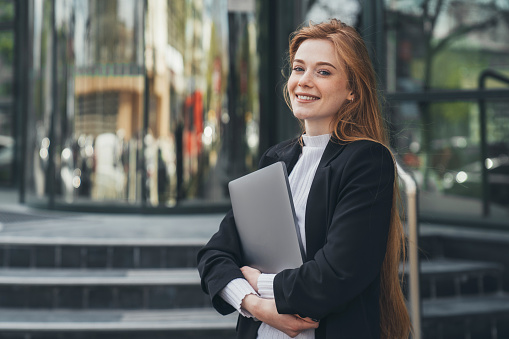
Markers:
point(289, 155)
point(317, 208)
point(332, 150)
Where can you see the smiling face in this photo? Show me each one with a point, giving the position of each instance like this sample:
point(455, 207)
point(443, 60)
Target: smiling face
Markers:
point(317, 85)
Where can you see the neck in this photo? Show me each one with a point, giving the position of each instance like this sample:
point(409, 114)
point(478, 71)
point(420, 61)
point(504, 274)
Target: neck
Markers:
point(314, 129)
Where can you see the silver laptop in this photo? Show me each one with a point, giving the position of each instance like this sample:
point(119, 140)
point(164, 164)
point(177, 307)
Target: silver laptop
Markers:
point(263, 209)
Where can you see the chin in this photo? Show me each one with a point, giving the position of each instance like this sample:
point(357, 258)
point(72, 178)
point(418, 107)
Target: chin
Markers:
point(300, 113)
point(300, 116)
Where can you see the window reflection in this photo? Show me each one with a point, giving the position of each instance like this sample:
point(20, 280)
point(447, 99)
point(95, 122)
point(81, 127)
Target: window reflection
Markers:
point(40, 100)
point(203, 114)
point(449, 171)
point(6, 156)
point(90, 127)
point(444, 44)
point(6, 11)
point(100, 137)
point(107, 74)
point(322, 10)
point(6, 82)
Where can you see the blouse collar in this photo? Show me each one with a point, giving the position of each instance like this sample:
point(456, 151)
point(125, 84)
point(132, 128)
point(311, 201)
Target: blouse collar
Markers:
point(316, 140)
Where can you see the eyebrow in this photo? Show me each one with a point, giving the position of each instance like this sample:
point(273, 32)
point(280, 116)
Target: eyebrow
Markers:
point(320, 63)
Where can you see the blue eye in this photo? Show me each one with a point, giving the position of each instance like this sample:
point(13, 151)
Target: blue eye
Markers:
point(324, 72)
point(298, 69)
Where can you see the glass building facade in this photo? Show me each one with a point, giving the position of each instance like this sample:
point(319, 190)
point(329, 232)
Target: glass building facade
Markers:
point(7, 135)
point(447, 81)
point(156, 105)
point(140, 103)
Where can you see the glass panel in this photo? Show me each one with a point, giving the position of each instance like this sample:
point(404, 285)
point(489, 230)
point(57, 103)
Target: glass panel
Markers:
point(498, 155)
point(6, 146)
point(202, 124)
point(241, 121)
point(40, 104)
point(6, 11)
point(440, 143)
point(445, 44)
point(202, 66)
point(6, 65)
point(103, 81)
point(322, 10)
point(6, 83)
point(97, 116)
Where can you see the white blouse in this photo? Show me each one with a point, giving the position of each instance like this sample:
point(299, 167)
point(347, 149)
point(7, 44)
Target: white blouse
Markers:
point(300, 180)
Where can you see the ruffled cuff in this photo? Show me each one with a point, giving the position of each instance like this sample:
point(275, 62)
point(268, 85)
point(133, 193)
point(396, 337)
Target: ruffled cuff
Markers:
point(235, 292)
point(266, 286)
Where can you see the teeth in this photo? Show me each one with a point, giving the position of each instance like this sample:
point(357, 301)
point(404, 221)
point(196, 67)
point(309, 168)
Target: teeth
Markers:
point(304, 97)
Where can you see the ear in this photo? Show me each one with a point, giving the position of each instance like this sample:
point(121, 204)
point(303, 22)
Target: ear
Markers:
point(351, 96)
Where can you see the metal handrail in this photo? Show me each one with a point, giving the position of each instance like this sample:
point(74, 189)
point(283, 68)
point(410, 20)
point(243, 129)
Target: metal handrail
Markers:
point(485, 192)
point(412, 250)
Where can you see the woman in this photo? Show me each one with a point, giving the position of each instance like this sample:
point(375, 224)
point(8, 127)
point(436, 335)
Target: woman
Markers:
point(344, 189)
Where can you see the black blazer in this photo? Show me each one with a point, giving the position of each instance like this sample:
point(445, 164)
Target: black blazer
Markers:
point(347, 222)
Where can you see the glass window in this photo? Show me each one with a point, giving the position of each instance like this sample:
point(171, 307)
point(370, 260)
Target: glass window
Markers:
point(203, 118)
point(6, 82)
point(6, 64)
point(6, 146)
point(156, 102)
point(6, 11)
point(440, 143)
point(91, 125)
point(101, 82)
point(445, 44)
point(497, 162)
point(39, 102)
point(322, 10)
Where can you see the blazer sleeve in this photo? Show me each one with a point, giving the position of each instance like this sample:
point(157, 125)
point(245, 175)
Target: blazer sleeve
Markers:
point(356, 239)
point(219, 261)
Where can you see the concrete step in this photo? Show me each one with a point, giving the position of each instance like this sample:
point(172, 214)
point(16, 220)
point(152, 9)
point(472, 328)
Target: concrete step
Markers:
point(467, 317)
point(443, 277)
point(50, 253)
point(102, 324)
point(473, 317)
point(73, 240)
point(467, 243)
point(101, 289)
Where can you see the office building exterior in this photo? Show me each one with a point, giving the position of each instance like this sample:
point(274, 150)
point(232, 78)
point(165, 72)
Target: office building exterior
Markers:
point(155, 105)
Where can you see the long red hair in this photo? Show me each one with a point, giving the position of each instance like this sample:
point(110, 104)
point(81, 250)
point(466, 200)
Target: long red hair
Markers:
point(361, 119)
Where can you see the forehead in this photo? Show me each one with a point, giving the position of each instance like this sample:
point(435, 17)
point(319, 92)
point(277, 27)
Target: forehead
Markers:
point(317, 50)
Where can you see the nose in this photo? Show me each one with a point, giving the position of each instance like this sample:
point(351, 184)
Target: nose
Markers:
point(305, 80)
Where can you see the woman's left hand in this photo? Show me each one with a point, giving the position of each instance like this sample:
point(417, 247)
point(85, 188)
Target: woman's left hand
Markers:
point(265, 310)
point(251, 275)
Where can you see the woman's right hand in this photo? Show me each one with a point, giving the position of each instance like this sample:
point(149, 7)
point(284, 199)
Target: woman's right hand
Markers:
point(265, 310)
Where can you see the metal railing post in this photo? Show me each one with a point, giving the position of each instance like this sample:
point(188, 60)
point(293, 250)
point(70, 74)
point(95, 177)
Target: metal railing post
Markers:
point(412, 250)
point(485, 188)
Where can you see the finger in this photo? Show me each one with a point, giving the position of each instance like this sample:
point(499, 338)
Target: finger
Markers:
point(307, 326)
point(307, 319)
point(304, 324)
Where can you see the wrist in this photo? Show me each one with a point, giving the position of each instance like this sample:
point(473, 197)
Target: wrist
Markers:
point(251, 304)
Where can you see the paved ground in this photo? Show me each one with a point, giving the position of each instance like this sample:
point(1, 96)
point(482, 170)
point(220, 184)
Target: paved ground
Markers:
point(22, 223)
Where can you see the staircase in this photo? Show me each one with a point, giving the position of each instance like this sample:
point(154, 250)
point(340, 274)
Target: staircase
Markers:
point(71, 278)
point(54, 287)
point(462, 283)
